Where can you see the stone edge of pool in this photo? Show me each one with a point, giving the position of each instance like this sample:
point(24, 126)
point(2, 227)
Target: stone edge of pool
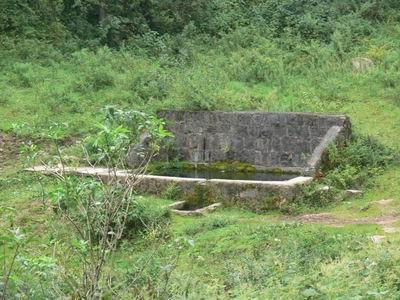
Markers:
point(225, 190)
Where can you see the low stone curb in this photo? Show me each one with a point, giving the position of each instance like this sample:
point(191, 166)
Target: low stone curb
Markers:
point(175, 208)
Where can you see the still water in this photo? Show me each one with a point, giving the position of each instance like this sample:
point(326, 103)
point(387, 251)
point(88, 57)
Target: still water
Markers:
point(214, 174)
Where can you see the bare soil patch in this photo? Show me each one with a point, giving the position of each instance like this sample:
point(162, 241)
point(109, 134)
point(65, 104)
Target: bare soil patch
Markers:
point(8, 148)
point(390, 213)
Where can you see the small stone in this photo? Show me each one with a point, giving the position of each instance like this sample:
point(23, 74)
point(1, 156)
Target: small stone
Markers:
point(209, 208)
point(362, 64)
point(248, 194)
point(325, 188)
point(352, 193)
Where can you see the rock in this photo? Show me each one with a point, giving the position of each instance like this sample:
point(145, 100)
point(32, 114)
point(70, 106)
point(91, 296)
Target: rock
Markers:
point(352, 193)
point(138, 153)
point(177, 209)
point(362, 64)
point(324, 189)
point(248, 194)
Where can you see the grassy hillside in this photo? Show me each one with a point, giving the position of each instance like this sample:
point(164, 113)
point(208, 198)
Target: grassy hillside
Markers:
point(240, 71)
point(261, 55)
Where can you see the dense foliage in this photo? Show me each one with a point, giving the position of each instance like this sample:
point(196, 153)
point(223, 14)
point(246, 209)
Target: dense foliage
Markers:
point(99, 22)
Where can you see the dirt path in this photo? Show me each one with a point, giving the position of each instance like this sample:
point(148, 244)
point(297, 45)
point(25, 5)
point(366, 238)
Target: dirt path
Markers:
point(328, 219)
point(386, 221)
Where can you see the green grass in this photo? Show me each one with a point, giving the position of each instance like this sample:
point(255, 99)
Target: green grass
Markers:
point(231, 253)
point(259, 259)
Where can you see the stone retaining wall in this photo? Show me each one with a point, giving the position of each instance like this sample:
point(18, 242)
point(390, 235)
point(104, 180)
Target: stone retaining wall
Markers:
point(287, 141)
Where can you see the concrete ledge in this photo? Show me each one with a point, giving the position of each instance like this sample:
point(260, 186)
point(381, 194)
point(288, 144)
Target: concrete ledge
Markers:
point(222, 190)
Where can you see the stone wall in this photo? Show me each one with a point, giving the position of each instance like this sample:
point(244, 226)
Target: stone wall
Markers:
point(287, 141)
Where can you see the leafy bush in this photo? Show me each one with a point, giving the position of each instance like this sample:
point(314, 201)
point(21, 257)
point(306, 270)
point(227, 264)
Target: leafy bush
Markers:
point(75, 193)
point(349, 166)
point(364, 153)
point(24, 76)
point(119, 130)
point(262, 64)
point(147, 85)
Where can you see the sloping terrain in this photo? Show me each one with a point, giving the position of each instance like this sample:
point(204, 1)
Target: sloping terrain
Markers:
point(63, 62)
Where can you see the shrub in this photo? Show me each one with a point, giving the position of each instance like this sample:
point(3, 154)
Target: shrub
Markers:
point(173, 191)
point(119, 130)
point(148, 84)
point(258, 65)
point(349, 166)
point(24, 75)
point(144, 215)
point(200, 88)
point(363, 152)
point(99, 78)
point(75, 193)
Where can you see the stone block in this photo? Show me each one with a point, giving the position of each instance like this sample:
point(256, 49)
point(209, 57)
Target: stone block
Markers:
point(266, 132)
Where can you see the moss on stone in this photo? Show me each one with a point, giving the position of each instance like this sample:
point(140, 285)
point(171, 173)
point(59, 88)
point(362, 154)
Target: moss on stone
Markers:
point(199, 197)
point(227, 166)
point(276, 171)
point(232, 169)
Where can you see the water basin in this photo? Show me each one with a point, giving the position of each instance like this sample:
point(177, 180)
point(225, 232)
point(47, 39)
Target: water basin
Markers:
point(215, 174)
